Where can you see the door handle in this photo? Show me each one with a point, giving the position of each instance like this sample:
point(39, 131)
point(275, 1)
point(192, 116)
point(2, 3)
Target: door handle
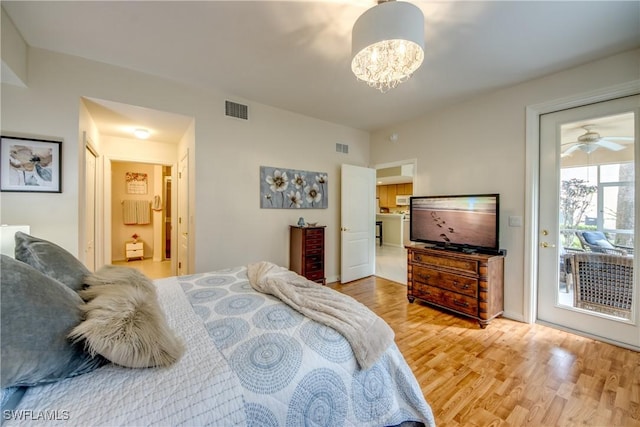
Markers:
point(547, 245)
point(344, 229)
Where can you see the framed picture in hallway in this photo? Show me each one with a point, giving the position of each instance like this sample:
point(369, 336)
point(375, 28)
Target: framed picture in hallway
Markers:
point(136, 182)
point(30, 165)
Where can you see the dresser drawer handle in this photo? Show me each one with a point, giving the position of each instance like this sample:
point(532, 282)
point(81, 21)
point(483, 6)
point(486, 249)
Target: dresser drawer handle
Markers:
point(461, 303)
point(456, 284)
point(424, 277)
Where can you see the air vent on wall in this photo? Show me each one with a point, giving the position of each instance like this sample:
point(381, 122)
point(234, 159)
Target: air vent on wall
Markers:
point(342, 148)
point(233, 109)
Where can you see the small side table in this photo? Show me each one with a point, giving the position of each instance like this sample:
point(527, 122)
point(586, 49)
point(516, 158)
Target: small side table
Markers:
point(134, 250)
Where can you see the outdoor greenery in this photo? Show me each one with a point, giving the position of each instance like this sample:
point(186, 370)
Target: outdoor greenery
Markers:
point(575, 198)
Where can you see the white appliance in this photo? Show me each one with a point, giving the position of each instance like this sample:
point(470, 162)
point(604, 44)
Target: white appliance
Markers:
point(402, 200)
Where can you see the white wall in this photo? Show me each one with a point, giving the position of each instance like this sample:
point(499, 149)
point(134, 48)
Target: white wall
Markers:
point(479, 147)
point(229, 226)
point(14, 53)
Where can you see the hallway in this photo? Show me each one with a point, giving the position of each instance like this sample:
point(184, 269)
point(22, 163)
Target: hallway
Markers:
point(151, 269)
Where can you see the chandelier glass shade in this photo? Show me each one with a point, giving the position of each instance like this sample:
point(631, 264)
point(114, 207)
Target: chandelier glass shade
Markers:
point(387, 44)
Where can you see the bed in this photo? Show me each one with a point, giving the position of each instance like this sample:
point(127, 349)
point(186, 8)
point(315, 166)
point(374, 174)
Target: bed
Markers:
point(249, 359)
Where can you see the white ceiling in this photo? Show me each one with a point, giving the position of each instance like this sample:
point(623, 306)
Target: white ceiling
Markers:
point(296, 55)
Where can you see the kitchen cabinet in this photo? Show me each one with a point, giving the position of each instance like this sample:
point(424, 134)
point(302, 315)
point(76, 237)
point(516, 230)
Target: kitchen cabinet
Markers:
point(387, 193)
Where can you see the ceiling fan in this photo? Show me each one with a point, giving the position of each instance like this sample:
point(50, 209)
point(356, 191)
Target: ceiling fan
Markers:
point(591, 141)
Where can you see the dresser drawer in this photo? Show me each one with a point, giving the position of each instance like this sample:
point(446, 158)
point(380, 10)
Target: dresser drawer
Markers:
point(135, 254)
point(312, 258)
point(134, 246)
point(314, 232)
point(452, 300)
point(313, 245)
point(453, 282)
point(467, 265)
point(313, 266)
point(315, 275)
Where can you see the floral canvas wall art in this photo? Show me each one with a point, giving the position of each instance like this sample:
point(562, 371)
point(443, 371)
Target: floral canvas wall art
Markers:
point(30, 165)
point(282, 188)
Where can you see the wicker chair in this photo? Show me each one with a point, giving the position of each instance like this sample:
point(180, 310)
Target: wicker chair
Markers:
point(603, 283)
point(596, 241)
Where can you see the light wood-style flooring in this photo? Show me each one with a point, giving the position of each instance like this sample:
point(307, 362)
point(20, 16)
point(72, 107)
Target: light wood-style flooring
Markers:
point(151, 269)
point(509, 374)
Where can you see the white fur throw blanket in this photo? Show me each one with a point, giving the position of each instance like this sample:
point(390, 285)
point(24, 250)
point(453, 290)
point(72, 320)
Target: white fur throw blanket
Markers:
point(367, 333)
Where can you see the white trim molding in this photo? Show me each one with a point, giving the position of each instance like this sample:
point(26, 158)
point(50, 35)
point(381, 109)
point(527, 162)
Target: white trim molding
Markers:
point(532, 171)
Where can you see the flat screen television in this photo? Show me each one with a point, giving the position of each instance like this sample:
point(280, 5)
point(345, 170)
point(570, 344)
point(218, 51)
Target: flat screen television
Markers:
point(456, 222)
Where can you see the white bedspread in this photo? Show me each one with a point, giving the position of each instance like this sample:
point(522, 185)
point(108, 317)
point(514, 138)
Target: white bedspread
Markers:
point(367, 333)
point(250, 360)
point(199, 390)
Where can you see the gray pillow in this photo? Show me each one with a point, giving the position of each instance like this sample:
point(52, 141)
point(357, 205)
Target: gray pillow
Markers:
point(36, 314)
point(51, 260)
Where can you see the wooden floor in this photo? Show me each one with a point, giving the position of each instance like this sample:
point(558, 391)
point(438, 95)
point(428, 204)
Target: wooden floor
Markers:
point(151, 269)
point(509, 374)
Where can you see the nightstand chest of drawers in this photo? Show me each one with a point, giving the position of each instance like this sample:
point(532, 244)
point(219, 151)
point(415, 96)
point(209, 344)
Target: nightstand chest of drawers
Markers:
point(469, 284)
point(134, 250)
point(306, 252)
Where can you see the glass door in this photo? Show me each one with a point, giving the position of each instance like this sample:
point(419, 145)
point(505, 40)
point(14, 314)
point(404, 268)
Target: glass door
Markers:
point(587, 220)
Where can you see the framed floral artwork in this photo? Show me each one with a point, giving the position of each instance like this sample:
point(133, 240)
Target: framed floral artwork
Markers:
point(30, 165)
point(282, 188)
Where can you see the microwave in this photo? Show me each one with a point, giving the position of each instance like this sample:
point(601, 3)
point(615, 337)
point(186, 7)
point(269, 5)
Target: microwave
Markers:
point(402, 200)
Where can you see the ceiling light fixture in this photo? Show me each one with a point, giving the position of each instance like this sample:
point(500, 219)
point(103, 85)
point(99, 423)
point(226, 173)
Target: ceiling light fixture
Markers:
point(588, 148)
point(141, 133)
point(387, 44)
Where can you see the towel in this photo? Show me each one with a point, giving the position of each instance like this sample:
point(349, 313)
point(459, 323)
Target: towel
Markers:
point(367, 333)
point(129, 215)
point(143, 213)
point(136, 212)
point(157, 203)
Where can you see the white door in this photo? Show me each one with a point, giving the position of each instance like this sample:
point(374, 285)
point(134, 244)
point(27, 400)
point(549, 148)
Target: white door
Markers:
point(90, 210)
point(357, 233)
point(183, 216)
point(588, 175)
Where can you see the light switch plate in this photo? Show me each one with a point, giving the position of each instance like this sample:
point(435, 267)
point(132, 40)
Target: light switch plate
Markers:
point(515, 221)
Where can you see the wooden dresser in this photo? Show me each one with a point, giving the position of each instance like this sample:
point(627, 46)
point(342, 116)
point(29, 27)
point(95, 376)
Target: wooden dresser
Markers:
point(306, 252)
point(469, 284)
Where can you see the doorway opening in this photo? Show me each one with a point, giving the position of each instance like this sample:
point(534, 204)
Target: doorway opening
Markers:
point(108, 130)
point(141, 217)
point(587, 209)
point(395, 184)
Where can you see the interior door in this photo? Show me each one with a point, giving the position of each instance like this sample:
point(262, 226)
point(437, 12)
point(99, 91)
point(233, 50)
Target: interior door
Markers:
point(90, 209)
point(588, 158)
point(183, 215)
point(357, 233)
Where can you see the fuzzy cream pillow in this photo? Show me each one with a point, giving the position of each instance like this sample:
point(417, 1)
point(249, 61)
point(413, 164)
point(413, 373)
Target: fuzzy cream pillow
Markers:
point(124, 322)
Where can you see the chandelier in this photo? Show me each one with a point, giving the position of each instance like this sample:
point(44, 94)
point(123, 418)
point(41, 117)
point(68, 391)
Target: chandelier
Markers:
point(387, 44)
